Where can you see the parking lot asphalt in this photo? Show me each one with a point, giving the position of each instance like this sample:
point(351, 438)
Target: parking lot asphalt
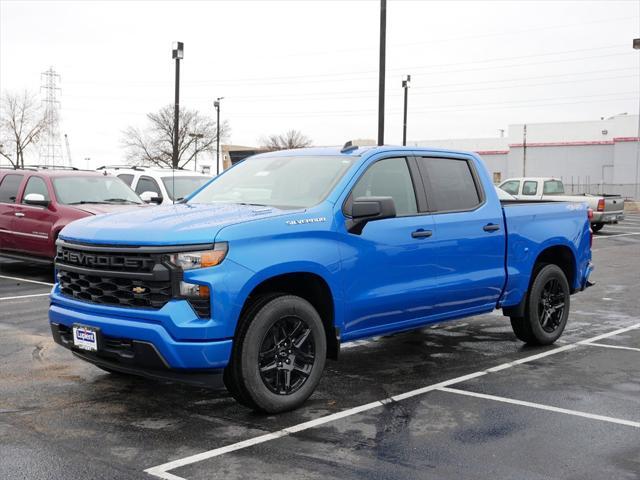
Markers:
point(463, 399)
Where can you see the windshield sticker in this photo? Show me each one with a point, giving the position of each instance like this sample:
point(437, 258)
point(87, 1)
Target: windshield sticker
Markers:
point(303, 221)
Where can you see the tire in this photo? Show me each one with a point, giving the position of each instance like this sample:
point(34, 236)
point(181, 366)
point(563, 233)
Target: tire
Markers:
point(547, 307)
point(278, 356)
point(596, 227)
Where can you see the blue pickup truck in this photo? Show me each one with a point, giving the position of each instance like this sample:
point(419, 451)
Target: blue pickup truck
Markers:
point(259, 276)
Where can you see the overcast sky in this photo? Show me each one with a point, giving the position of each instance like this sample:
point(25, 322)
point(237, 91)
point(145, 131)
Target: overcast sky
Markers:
point(476, 67)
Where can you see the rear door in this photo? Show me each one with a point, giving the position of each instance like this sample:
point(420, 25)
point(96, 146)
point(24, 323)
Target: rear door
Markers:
point(470, 240)
point(9, 188)
point(35, 223)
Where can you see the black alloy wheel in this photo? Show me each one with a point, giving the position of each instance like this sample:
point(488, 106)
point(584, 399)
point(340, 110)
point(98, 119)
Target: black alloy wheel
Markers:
point(547, 307)
point(551, 305)
point(287, 355)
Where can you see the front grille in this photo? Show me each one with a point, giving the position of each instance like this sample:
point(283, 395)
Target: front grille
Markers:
point(122, 276)
point(127, 292)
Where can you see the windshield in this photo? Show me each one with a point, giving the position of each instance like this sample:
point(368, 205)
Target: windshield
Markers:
point(182, 186)
point(78, 190)
point(284, 182)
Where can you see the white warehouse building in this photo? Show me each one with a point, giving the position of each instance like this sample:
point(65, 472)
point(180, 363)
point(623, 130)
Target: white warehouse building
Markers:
point(589, 156)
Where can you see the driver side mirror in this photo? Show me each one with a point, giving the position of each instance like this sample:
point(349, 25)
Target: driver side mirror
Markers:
point(369, 209)
point(151, 197)
point(36, 199)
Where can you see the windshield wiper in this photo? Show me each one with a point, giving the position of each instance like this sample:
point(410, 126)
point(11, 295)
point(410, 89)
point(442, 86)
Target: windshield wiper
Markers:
point(119, 200)
point(85, 202)
point(253, 204)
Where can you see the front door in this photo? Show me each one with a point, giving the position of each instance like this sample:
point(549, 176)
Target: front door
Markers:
point(34, 223)
point(389, 275)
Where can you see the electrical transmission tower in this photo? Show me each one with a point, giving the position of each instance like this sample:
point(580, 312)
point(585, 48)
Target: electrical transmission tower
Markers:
point(50, 146)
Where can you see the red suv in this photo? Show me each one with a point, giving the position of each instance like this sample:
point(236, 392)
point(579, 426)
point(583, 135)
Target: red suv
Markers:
point(35, 204)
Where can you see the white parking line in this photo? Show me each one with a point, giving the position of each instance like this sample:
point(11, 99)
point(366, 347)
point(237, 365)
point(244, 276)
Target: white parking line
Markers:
point(162, 471)
point(26, 280)
point(619, 347)
point(598, 237)
point(25, 296)
point(540, 406)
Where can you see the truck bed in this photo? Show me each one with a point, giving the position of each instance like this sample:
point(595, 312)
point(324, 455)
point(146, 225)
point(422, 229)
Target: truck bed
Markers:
point(528, 225)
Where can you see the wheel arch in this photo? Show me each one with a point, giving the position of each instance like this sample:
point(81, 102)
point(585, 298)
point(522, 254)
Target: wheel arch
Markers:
point(559, 254)
point(305, 284)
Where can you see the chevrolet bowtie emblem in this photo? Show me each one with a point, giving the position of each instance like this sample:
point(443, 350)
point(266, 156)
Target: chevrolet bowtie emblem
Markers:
point(138, 289)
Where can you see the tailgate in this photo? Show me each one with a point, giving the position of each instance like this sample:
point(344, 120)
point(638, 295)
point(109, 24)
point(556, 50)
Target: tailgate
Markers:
point(613, 204)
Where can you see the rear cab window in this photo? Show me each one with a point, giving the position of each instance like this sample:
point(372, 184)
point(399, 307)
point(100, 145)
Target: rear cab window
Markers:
point(451, 184)
point(9, 187)
point(530, 187)
point(553, 187)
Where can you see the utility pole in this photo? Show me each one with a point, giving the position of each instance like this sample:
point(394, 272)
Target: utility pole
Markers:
point(217, 105)
point(636, 46)
point(381, 73)
point(177, 55)
point(196, 136)
point(66, 141)
point(405, 85)
point(524, 150)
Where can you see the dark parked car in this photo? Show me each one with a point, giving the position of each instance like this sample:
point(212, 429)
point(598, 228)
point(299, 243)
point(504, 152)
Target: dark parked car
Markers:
point(35, 204)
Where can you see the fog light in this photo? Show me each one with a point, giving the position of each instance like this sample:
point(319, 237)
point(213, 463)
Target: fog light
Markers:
point(193, 290)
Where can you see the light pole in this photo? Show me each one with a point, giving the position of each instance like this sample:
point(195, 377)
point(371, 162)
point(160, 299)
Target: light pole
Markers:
point(177, 55)
point(636, 46)
point(196, 136)
point(217, 105)
point(381, 72)
point(405, 85)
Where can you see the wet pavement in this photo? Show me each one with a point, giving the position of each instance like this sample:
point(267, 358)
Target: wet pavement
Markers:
point(573, 413)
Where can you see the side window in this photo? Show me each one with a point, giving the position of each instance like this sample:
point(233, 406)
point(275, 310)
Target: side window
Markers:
point(553, 187)
point(389, 178)
point(36, 185)
point(126, 178)
point(147, 184)
point(451, 185)
point(9, 188)
point(511, 187)
point(530, 187)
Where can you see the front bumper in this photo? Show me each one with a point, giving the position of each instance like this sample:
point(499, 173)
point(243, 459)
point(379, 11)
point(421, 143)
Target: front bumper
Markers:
point(180, 339)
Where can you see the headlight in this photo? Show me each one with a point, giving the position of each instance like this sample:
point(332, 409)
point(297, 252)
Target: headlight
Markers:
point(201, 259)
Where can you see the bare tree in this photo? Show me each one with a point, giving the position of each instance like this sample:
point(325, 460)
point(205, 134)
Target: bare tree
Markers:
point(286, 141)
point(22, 123)
point(154, 144)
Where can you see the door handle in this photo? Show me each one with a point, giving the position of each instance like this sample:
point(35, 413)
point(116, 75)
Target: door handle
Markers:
point(19, 214)
point(421, 233)
point(491, 227)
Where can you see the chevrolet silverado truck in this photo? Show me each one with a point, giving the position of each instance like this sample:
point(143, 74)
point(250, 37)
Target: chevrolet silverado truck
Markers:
point(37, 203)
point(259, 276)
point(607, 208)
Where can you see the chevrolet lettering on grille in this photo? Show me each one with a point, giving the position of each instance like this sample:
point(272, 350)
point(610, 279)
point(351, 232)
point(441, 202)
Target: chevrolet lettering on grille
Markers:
point(94, 260)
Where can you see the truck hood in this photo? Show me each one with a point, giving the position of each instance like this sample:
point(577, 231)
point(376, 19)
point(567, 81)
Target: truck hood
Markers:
point(99, 208)
point(180, 224)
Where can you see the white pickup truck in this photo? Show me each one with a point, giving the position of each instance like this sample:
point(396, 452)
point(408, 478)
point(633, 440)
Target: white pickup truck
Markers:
point(606, 208)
